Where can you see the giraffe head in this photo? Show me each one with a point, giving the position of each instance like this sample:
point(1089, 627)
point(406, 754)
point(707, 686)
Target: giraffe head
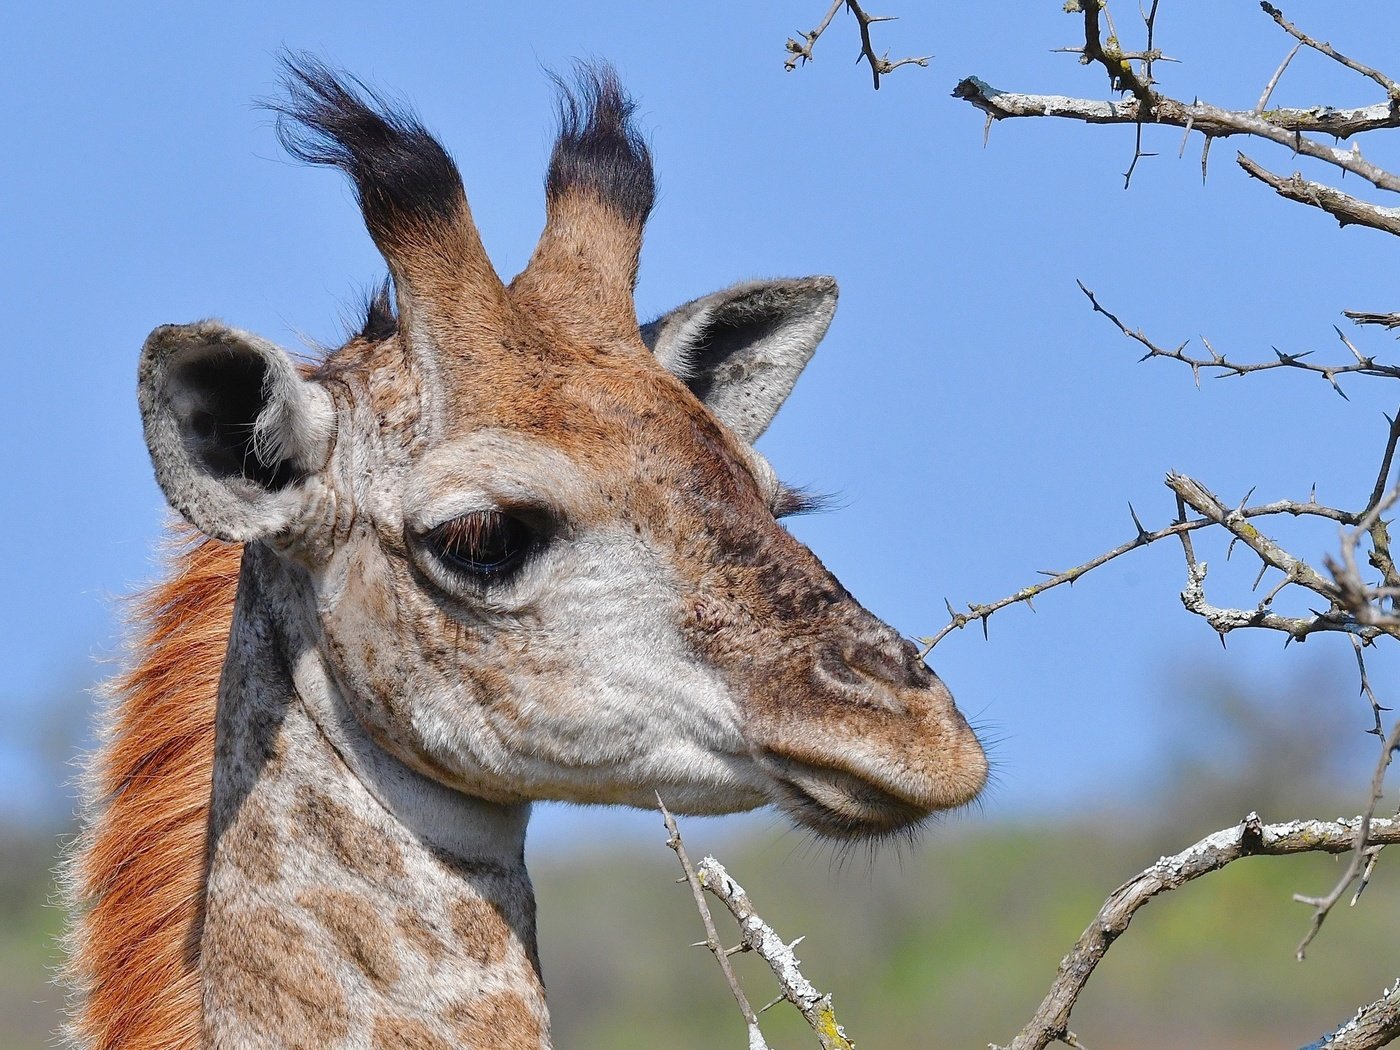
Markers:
point(534, 546)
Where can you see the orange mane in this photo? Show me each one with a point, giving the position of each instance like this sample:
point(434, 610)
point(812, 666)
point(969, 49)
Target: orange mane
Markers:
point(137, 877)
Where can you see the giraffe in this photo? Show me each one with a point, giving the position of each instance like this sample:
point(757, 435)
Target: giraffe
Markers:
point(505, 545)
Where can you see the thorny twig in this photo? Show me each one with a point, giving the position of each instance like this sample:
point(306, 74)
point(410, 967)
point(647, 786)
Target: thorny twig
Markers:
point(1223, 366)
point(1346, 209)
point(1391, 87)
point(800, 51)
point(1384, 320)
point(1250, 838)
point(761, 939)
point(1121, 73)
point(1375, 1024)
point(1352, 606)
point(1364, 850)
point(756, 1041)
point(1131, 71)
point(980, 612)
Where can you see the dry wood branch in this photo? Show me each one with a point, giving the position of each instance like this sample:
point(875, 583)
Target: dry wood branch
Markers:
point(1365, 602)
point(1121, 74)
point(1211, 121)
point(1273, 80)
point(758, 937)
point(1322, 47)
point(1346, 209)
point(756, 1041)
point(1383, 475)
point(1251, 838)
point(800, 51)
point(1374, 1025)
point(1223, 366)
point(1284, 127)
point(976, 612)
point(1296, 627)
point(1384, 320)
point(1223, 620)
point(1364, 849)
point(1208, 505)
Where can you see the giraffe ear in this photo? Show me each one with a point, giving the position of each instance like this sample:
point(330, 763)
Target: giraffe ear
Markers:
point(233, 429)
point(742, 349)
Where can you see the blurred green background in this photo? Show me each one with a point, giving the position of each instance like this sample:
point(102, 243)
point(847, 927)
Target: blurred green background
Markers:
point(949, 942)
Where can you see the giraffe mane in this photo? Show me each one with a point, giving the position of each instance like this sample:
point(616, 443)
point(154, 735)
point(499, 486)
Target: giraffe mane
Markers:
point(136, 876)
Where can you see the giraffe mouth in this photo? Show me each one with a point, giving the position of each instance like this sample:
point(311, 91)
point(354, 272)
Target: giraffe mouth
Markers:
point(840, 805)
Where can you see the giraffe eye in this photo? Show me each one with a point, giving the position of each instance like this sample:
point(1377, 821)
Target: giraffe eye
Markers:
point(484, 543)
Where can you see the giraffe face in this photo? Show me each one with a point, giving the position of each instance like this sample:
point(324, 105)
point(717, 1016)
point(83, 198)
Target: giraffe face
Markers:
point(542, 557)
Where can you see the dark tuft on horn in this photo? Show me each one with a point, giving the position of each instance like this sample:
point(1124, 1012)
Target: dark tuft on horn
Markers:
point(598, 150)
point(404, 179)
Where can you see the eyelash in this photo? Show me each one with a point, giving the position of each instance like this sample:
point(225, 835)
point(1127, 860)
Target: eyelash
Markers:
point(790, 501)
point(483, 544)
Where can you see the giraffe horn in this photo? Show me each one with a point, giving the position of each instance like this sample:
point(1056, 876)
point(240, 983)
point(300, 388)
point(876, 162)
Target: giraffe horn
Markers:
point(408, 187)
point(599, 192)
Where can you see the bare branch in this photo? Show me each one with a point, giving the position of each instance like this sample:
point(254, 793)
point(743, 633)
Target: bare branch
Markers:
point(1362, 365)
point(1387, 458)
point(1273, 80)
point(1207, 504)
point(1364, 850)
point(1374, 1025)
point(758, 937)
point(1251, 838)
point(800, 51)
point(756, 1041)
point(976, 612)
point(1119, 67)
point(1296, 627)
point(1392, 89)
point(1361, 600)
point(1223, 620)
point(1384, 320)
point(1280, 126)
point(1346, 209)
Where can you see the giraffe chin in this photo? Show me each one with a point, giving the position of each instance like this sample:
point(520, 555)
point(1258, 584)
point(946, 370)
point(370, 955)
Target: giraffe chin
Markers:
point(839, 805)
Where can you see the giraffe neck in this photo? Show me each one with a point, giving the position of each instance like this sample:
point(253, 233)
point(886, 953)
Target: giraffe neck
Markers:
point(351, 902)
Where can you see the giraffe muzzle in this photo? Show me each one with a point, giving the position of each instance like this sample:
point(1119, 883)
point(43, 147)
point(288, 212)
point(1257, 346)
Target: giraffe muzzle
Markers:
point(875, 747)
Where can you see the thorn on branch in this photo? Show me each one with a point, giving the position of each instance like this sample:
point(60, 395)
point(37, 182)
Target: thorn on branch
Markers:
point(1250, 838)
point(1392, 89)
point(800, 51)
point(1384, 320)
point(757, 936)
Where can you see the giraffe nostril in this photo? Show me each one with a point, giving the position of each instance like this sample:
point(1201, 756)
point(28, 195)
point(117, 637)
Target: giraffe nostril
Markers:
point(834, 665)
point(884, 665)
point(895, 663)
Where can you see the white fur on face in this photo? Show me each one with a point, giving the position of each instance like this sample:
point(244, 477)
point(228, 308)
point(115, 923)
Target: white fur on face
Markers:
point(567, 680)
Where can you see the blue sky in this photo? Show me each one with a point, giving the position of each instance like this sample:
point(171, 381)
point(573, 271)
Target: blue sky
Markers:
point(977, 422)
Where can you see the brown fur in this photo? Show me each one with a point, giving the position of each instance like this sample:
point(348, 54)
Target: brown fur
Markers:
point(358, 931)
point(289, 993)
point(502, 1020)
point(326, 820)
point(406, 1033)
point(481, 929)
point(138, 874)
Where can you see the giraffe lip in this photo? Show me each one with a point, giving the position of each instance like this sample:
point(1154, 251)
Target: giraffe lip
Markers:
point(837, 804)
